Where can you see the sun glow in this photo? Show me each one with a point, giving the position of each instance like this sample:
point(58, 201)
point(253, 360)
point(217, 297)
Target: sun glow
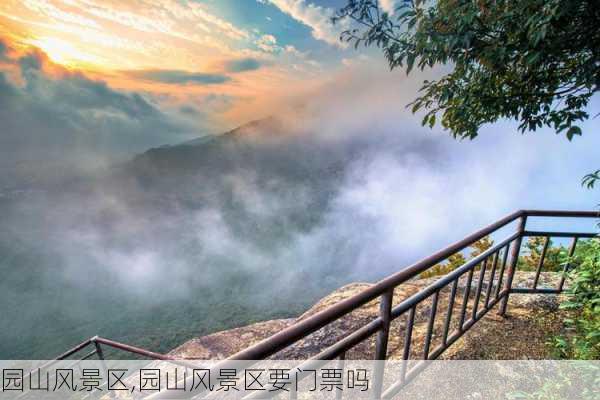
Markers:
point(64, 53)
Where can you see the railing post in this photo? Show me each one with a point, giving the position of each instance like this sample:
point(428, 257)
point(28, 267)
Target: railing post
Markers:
point(567, 265)
point(385, 313)
point(101, 358)
point(514, 258)
point(98, 348)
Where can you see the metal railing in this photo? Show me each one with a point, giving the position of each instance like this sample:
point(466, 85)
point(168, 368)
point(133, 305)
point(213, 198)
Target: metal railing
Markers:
point(480, 284)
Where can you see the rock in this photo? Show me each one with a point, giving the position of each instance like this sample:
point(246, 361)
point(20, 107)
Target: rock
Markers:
point(223, 344)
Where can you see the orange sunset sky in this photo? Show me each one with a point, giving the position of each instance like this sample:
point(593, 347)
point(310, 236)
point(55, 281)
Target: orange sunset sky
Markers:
point(237, 59)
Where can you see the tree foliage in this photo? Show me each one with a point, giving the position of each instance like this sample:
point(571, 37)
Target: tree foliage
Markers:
point(454, 261)
point(590, 179)
point(457, 260)
point(553, 260)
point(481, 246)
point(534, 61)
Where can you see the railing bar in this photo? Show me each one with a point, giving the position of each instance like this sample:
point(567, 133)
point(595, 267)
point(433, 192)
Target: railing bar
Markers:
point(100, 353)
point(64, 355)
point(408, 333)
point(88, 355)
point(385, 313)
point(541, 262)
point(484, 311)
point(410, 321)
point(488, 292)
point(562, 213)
point(533, 291)
point(467, 292)
point(350, 341)
point(412, 374)
point(446, 279)
point(73, 350)
point(587, 235)
point(451, 299)
point(514, 258)
point(132, 349)
point(479, 287)
point(385, 309)
point(430, 325)
point(458, 333)
point(140, 351)
point(414, 371)
point(567, 264)
point(502, 269)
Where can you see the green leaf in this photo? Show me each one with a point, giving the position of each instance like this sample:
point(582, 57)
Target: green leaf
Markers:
point(432, 120)
point(520, 60)
point(574, 130)
point(410, 61)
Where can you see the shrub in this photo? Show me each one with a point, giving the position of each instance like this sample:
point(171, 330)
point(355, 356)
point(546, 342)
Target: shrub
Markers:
point(583, 302)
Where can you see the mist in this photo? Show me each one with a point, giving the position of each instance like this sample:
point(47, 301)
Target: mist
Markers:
point(341, 185)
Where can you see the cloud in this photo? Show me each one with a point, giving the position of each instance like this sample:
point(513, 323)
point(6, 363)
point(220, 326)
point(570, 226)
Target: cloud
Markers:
point(56, 120)
point(317, 18)
point(242, 65)
point(268, 44)
point(179, 77)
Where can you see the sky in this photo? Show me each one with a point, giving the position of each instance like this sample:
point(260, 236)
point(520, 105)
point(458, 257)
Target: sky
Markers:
point(227, 58)
point(113, 78)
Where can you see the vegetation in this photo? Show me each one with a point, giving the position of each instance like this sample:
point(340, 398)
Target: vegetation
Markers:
point(590, 179)
point(583, 341)
point(563, 386)
point(458, 259)
point(481, 246)
point(534, 61)
point(454, 261)
point(553, 259)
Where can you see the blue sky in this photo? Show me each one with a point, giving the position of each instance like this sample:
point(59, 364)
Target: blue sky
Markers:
point(125, 75)
point(178, 52)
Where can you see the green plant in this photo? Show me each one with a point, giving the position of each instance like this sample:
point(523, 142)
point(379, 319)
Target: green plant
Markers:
point(457, 260)
point(583, 304)
point(562, 386)
point(532, 61)
point(454, 261)
point(553, 260)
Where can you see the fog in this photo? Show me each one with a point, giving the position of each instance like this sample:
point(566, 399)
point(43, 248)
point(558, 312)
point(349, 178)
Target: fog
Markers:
point(341, 185)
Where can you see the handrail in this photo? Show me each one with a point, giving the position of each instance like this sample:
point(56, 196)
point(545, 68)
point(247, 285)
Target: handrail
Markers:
point(132, 349)
point(496, 258)
point(446, 279)
point(315, 322)
point(561, 213)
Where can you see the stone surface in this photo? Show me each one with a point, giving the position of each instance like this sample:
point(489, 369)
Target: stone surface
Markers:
point(223, 344)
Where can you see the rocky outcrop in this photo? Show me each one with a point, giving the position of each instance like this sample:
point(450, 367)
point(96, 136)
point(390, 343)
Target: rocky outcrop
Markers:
point(223, 344)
